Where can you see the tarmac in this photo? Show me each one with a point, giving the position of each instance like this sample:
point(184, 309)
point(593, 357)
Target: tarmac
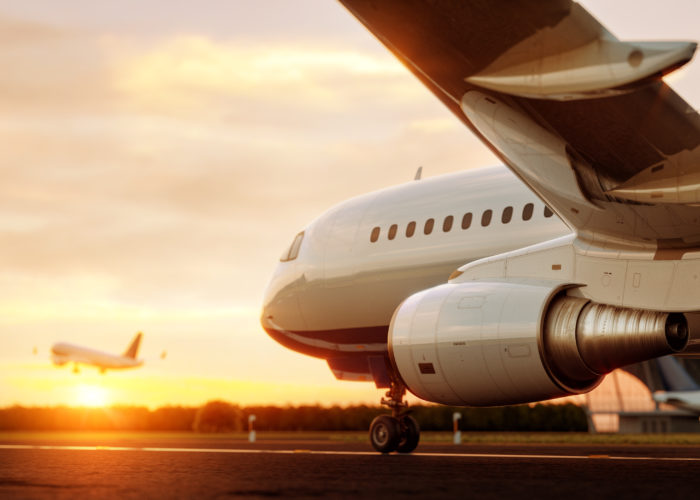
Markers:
point(159, 467)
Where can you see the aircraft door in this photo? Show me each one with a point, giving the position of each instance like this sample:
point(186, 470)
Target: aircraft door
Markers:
point(340, 265)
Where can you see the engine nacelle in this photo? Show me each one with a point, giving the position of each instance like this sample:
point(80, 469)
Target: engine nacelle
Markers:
point(501, 343)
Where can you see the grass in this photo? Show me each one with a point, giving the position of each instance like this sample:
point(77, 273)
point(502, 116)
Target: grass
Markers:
point(544, 438)
point(564, 438)
point(426, 437)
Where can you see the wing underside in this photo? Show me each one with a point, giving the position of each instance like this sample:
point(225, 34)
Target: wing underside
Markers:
point(585, 120)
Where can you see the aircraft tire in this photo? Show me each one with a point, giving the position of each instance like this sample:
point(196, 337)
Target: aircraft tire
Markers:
point(385, 433)
point(410, 434)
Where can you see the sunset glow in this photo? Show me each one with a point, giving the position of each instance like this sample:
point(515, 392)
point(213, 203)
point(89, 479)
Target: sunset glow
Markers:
point(91, 396)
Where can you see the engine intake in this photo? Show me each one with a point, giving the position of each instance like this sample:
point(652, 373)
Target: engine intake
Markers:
point(499, 343)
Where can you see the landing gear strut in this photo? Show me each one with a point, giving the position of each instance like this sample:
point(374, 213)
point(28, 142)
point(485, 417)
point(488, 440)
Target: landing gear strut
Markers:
point(398, 431)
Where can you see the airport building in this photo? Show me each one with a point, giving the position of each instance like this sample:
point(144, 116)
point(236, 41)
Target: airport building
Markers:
point(624, 402)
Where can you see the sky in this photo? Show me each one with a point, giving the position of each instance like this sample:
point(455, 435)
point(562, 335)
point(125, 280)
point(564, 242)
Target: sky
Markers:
point(158, 157)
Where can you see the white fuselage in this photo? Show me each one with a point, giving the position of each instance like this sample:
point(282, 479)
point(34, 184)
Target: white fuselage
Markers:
point(63, 353)
point(338, 294)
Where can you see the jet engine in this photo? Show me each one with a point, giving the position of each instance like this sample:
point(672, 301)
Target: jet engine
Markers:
point(501, 343)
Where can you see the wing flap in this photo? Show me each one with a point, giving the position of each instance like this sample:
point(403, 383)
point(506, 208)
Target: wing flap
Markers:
point(540, 155)
point(675, 181)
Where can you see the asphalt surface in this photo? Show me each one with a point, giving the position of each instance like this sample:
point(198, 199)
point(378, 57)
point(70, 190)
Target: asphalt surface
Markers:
point(219, 468)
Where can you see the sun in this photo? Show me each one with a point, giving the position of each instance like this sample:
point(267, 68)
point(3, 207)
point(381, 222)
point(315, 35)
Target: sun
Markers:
point(91, 395)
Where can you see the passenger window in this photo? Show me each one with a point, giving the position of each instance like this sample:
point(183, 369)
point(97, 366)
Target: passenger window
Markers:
point(447, 223)
point(467, 220)
point(375, 234)
point(428, 228)
point(486, 217)
point(410, 229)
point(392, 231)
point(527, 211)
point(293, 251)
point(547, 211)
point(507, 215)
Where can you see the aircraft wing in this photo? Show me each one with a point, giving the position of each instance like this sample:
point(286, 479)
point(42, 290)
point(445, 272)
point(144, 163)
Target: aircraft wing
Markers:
point(585, 120)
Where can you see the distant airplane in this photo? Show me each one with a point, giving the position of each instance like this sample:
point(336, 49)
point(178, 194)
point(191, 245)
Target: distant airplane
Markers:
point(63, 353)
point(680, 390)
point(685, 400)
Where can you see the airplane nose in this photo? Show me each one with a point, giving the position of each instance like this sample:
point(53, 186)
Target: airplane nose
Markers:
point(282, 299)
point(281, 310)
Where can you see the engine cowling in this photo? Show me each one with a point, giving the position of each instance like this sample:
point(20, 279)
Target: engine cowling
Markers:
point(500, 343)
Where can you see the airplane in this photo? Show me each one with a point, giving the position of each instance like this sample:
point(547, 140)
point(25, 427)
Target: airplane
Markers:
point(685, 400)
point(679, 388)
point(63, 353)
point(520, 283)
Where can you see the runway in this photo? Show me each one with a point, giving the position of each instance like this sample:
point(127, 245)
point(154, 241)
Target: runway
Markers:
point(223, 468)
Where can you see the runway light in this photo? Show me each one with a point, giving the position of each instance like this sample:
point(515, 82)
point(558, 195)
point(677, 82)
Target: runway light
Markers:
point(457, 435)
point(92, 396)
point(251, 431)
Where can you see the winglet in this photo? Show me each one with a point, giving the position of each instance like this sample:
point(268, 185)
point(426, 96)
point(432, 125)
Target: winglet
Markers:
point(133, 348)
point(598, 69)
point(579, 59)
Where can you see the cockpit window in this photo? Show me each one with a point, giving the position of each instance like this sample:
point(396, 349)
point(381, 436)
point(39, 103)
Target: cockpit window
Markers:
point(293, 251)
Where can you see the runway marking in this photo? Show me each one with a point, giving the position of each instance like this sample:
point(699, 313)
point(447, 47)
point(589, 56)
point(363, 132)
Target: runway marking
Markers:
point(322, 452)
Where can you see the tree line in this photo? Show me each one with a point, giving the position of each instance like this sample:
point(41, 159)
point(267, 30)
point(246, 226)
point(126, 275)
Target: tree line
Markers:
point(221, 416)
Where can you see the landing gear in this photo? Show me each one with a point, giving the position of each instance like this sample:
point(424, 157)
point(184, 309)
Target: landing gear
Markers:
point(384, 433)
point(398, 431)
point(410, 434)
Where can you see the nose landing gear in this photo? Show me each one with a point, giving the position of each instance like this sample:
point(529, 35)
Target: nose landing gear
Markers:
point(396, 432)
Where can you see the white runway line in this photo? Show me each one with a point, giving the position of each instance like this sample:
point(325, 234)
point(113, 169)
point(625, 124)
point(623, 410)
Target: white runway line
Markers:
point(351, 453)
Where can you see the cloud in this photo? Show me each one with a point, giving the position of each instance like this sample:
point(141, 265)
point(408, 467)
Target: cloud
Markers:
point(176, 146)
point(45, 68)
point(261, 86)
point(20, 32)
point(196, 63)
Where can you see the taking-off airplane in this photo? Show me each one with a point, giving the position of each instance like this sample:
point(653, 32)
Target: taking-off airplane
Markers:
point(466, 289)
point(62, 353)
